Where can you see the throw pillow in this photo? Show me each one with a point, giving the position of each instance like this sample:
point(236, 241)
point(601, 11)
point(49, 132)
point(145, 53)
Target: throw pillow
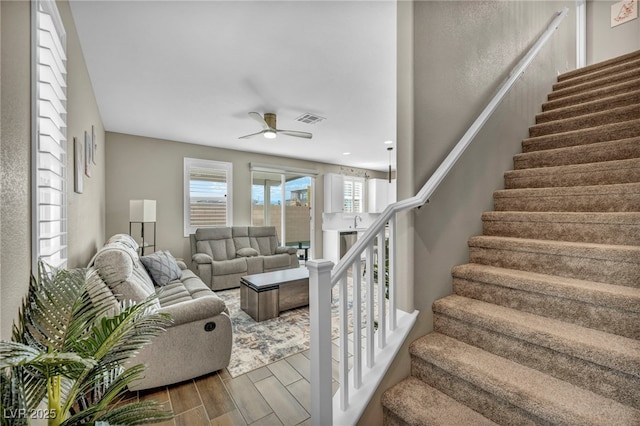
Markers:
point(247, 252)
point(162, 267)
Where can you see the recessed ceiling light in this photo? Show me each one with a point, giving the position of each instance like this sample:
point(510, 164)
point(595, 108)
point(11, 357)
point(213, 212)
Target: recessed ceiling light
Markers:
point(346, 153)
point(388, 142)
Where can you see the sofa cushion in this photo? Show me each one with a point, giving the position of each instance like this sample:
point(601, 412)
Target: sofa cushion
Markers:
point(162, 267)
point(247, 252)
point(277, 261)
point(241, 237)
point(215, 242)
point(125, 239)
point(228, 267)
point(263, 239)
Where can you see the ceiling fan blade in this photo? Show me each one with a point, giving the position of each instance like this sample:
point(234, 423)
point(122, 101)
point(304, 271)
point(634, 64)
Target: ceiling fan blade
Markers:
point(251, 135)
point(295, 133)
point(260, 119)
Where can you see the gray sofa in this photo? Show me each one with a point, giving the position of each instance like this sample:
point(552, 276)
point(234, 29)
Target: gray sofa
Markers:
point(222, 255)
point(199, 340)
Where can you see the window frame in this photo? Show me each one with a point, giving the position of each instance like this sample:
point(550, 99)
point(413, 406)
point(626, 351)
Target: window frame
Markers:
point(190, 163)
point(352, 180)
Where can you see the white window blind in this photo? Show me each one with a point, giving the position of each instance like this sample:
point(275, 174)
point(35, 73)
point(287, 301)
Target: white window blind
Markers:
point(50, 136)
point(353, 195)
point(207, 189)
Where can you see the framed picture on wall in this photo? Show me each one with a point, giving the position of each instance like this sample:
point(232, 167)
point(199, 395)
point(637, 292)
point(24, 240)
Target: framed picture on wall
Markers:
point(623, 11)
point(78, 156)
point(88, 145)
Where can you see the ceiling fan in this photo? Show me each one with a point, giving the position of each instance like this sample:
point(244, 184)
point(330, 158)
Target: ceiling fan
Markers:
point(269, 129)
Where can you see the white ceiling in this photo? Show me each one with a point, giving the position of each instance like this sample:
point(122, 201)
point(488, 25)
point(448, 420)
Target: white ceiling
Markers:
point(190, 71)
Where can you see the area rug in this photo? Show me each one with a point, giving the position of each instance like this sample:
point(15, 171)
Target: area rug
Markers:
point(256, 344)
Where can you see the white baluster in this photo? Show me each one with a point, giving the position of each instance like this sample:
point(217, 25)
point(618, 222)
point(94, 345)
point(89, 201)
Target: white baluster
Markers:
point(344, 344)
point(369, 306)
point(357, 326)
point(382, 316)
point(320, 341)
point(392, 272)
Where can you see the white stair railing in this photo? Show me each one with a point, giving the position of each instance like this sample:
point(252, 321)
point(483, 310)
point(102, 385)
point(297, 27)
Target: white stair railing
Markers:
point(380, 344)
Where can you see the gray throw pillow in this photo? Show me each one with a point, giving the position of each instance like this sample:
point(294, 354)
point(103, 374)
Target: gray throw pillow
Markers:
point(247, 252)
point(162, 267)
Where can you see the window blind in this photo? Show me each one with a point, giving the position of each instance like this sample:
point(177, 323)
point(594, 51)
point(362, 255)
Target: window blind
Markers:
point(353, 194)
point(50, 136)
point(207, 194)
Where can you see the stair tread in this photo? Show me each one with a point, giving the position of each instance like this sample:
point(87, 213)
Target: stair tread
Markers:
point(623, 218)
point(622, 149)
point(609, 295)
point(548, 398)
point(610, 350)
point(585, 108)
point(603, 133)
point(593, 94)
point(605, 81)
point(564, 191)
point(418, 403)
point(598, 73)
point(599, 65)
point(630, 254)
point(577, 168)
point(594, 119)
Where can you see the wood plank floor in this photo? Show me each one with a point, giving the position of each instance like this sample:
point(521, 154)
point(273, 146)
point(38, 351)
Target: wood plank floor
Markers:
point(277, 394)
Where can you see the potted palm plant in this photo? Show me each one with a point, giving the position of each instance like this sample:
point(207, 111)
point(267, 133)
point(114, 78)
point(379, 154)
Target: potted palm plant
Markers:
point(69, 344)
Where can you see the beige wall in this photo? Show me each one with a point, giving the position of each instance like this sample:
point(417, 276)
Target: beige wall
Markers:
point(604, 42)
point(461, 52)
point(85, 212)
point(146, 168)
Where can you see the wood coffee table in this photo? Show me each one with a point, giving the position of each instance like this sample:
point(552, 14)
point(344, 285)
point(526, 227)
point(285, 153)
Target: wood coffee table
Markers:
point(264, 296)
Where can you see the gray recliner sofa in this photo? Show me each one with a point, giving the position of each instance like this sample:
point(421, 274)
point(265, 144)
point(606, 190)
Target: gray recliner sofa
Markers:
point(222, 255)
point(199, 340)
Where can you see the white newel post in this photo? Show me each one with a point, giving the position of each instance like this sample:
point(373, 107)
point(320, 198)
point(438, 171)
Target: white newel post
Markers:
point(320, 341)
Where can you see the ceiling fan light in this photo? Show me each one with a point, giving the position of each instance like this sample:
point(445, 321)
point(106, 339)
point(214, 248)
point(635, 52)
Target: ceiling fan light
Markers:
point(270, 134)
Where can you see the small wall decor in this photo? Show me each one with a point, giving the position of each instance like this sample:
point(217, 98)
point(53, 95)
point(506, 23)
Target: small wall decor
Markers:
point(624, 11)
point(94, 143)
point(88, 145)
point(78, 156)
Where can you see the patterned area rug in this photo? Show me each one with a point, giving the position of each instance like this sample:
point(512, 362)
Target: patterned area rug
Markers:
point(256, 344)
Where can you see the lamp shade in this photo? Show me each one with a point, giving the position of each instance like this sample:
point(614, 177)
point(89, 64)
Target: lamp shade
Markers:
point(142, 210)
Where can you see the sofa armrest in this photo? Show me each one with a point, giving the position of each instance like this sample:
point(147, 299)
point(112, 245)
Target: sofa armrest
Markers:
point(201, 258)
point(181, 264)
point(195, 310)
point(287, 250)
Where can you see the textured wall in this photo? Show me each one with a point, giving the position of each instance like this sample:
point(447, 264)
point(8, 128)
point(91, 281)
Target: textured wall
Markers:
point(459, 64)
point(146, 168)
point(604, 42)
point(15, 207)
point(86, 211)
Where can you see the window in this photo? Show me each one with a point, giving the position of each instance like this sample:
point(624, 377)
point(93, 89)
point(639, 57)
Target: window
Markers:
point(207, 194)
point(353, 195)
point(49, 77)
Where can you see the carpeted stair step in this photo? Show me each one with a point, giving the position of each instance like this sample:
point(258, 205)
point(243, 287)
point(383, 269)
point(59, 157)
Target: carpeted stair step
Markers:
point(606, 81)
point(605, 72)
point(610, 308)
point(622, 228)
point(604, 173)
point(602, 151)
point(598, 105)
point(612, 264)
point(508, 392)
point(604, 363)
point(623, 197)
point(604, 133)
point(600, 65)
point(413, 402)
point(591, 95)
point(613, 115)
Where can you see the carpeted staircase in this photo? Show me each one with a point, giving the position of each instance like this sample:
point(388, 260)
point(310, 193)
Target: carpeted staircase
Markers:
point(544, 323)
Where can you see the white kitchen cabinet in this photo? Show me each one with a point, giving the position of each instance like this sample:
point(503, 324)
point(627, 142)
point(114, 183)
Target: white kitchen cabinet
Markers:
point(381, 193)
point(333, 193)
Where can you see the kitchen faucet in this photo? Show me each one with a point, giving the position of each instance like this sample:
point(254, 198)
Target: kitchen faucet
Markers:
point(355, 221)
